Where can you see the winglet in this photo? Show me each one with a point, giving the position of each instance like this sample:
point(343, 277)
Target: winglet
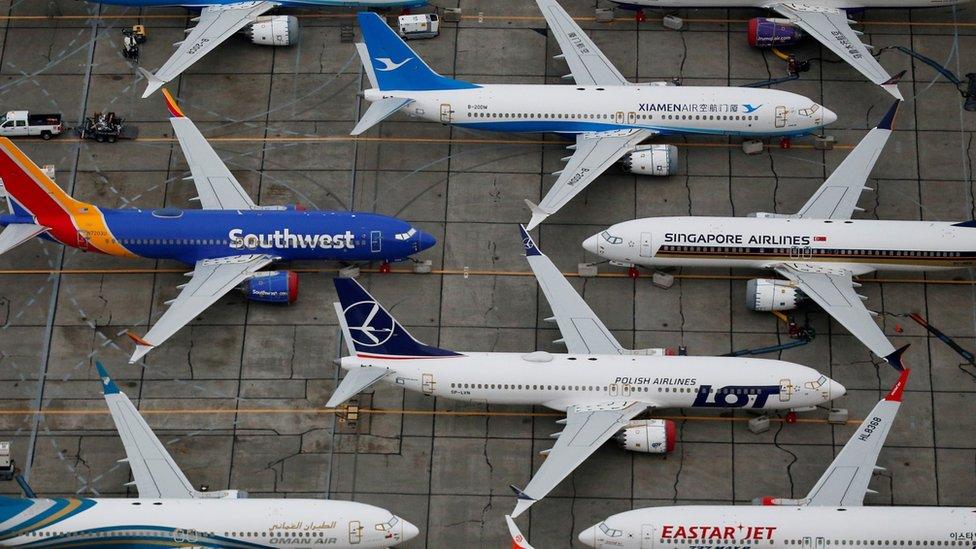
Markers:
point(530, 248)
point(895, 358)
point(524, 501)
point(894, 395)
point(538, 215)
point(108, 386)
point(894, 80)
point(142, 347)
point(891, 85)
point(154, 82)
point(518, 540)
point(174, 108)
point(889, 118)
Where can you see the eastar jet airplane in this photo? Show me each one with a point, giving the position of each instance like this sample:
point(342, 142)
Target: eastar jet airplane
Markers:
point(818, 250)
point(169, 512)
point(609, 116)
point(229, 241)
point(825, 20)
point(220, 19)
point(600, 386)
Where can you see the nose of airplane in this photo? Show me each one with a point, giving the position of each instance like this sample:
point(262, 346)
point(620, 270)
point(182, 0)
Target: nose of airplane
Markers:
point(829, 116)
point(591, 244)
point(588, 537)
point(425, 240)
point(409, 530)
point(836, 390)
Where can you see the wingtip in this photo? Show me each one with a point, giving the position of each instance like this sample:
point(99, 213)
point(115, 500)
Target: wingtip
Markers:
point(108, 386)
point(895, 394)
point(174, 108)
point(154, 82)
point(894, 80)
point(530, 248)
point(888, 121)
point(142, 347)
point(518, 540)
point(538, 215)
point(895, 358)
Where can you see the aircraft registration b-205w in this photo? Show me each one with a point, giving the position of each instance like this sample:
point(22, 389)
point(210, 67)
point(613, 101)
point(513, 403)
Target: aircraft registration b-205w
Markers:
point(228, 242)
point(608, 116)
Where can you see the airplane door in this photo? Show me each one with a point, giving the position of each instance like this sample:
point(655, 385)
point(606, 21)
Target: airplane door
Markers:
point(646, 250)
point(647, 536)
point(83, 239)
point(632, 118)
point(613, 390)
point(447, 113)
point(786, 388)
point(619, 117)
point(427, 384)
point(807, 542)
point(375, 241)
point(819, 543)
point(801, 252)
point(782, 117)
point(624, 389)
point(355, 532)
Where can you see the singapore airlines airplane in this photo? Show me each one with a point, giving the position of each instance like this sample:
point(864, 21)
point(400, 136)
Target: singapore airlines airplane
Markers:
point(608, 116)
point(825, 20)
point(228, 242)
point(600, 386)
point(818, 250)
point(832, 514)
point(169, 512)
point(220, 19)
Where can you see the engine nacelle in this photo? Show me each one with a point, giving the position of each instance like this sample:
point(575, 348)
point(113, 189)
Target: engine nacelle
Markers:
point(650, 436)
point(272, 287)
point(658, 160)
point(274, 30)
point(767, 32)
point(763, 294)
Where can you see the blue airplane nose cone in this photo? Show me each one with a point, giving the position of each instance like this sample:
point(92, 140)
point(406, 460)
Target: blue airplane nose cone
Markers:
point(425, 240)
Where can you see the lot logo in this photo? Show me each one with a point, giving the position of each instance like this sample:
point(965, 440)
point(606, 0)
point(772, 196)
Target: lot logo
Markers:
point(369, 324)
point(287, 239)
point(735, 396)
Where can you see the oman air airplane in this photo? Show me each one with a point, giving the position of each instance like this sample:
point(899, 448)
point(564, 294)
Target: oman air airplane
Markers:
point(169, 512)
point(831, 515)
point(825, 20)
point(220, 19)
point(818, 250)
point(608, 116)
point(228, 242)
point(600, 386)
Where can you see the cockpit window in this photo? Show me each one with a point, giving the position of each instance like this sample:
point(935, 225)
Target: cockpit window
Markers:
point(816, 384)
point(610, 532)
point(388, 525)
point(809, 111)
point(611, 239)
point(406, 235)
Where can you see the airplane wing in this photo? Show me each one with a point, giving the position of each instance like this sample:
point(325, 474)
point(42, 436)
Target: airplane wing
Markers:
point(216, 23)
point(837, 197)
point(593, 153)
point(582, 330)
point(833, 289)
point(18, 233)
point(212, 278)
point(587, 428)
point(845, 482)
point(831, 27)
point(588, 65)
point(217, 188)
point(156, 474)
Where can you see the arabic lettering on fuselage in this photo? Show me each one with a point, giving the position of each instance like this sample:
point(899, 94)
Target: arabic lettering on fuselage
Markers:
point(737, 239)
point(304, 526)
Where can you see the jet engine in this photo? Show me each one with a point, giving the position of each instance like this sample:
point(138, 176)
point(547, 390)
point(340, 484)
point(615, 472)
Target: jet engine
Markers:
point(763, 294)
point(274, 30)
point(651, 436)
point(659, 160)
point(272, 287)
point(773, 32)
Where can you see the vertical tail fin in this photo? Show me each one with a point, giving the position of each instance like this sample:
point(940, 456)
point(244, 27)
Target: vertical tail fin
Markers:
point(393, 65)
point(30, 191)
point(373, 330)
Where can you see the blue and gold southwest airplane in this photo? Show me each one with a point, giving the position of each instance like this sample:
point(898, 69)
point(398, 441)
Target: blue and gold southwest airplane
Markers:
point(228, 242)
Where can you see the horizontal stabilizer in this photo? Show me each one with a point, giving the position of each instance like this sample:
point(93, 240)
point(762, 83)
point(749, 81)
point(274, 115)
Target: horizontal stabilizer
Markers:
point(379, 111)
point(355, 382)
point(17, 234)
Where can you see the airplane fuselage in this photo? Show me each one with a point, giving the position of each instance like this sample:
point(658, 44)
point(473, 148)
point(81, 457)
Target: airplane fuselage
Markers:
point(575, 109)
point(745, 526)
point(284, 3)
point(842, 4)
point(560, 380)
point(191, 235)
point(202, 522)
point(861, 246)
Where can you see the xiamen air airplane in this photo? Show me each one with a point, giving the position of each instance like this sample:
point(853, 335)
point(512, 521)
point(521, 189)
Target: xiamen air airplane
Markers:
point(608, 116)
point(220, 19)
point(228, 242)
point(169, 512)
point(601, 386)
point(818, 250)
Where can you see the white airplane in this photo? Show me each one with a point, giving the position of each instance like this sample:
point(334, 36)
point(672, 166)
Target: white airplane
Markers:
point(221, 19)
point(600, 386)
point(831, 515)
point(818, 250)
point(825, 20)
point(169, 512)
point(608, 116)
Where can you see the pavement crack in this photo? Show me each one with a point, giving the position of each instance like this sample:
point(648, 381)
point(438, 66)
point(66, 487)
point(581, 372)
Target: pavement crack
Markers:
point(681, 460)
point(789, 467)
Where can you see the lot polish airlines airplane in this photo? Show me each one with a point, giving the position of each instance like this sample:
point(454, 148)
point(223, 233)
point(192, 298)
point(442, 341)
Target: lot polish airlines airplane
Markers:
point(599, 385)
point(608, 116)
point(831, 515)
point(818, 250)
point(169, 512)
point(220, 19)
point(229, 241)
point(825, 20)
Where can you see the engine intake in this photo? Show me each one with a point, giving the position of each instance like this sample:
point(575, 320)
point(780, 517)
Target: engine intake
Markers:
point(650, 436)
point(272, 287)
point(763, 294)
point(773, 32)
point(274, 30)
point(657, 160)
